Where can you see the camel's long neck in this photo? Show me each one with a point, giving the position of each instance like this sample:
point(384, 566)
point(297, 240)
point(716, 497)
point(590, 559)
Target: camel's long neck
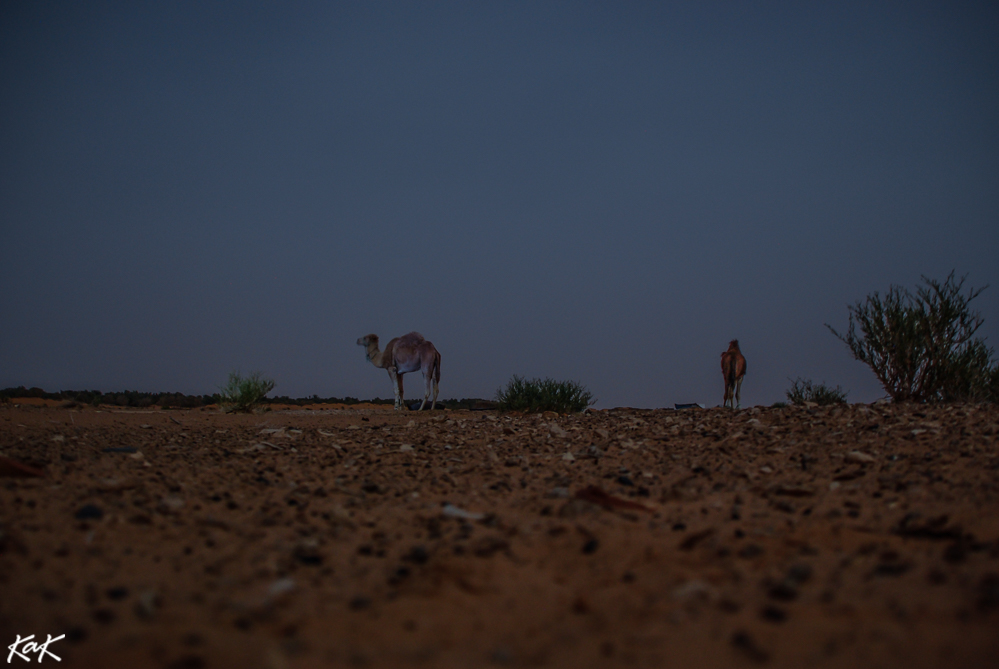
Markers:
point(375, 357)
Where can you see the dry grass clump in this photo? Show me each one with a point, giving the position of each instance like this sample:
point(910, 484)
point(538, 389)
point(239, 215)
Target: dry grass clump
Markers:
point(243, 394)
point(803, 390)
point(536, 395)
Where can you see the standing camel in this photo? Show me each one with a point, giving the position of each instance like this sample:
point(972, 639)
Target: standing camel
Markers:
point(733, 369)
point(408, 353)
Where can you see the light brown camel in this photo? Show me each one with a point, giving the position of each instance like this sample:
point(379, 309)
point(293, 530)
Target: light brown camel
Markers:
point(408, 353)
point(733, 369)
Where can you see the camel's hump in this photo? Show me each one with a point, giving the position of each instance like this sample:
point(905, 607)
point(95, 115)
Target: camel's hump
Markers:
point(412, 337)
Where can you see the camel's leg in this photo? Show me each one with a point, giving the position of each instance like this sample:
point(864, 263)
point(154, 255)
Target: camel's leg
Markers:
point(426, 391)
point(738, 392)
point(728, 394)
point(431, 386)
point(396, 386)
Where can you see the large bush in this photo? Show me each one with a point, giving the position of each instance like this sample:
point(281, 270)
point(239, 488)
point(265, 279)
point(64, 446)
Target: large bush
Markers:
point(922, 346)
point(536, 395)
point(243, 394)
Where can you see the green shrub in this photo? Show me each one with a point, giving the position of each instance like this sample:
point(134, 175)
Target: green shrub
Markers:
point(535, 395)
point(802, 390)
point(922, 347)
point(241, 394)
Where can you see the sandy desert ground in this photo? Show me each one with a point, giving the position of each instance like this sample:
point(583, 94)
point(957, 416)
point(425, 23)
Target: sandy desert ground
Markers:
point(854, 536)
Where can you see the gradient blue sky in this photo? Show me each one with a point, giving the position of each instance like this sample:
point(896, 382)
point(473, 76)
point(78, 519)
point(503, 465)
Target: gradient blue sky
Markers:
point(606, 192)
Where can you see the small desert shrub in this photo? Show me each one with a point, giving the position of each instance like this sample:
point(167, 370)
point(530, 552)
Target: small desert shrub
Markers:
point(535, 395)
point(922, 347)
point(778, 405)
point(241, 394)
point(803, 390)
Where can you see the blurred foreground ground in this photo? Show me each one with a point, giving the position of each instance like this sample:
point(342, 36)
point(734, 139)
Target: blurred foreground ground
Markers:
point(856, 536)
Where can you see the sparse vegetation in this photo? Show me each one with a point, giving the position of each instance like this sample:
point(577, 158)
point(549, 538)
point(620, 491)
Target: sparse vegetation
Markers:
point(803, 390)
point(922, 347)
point(243, 394)
point(778, 405)
point(537, 395)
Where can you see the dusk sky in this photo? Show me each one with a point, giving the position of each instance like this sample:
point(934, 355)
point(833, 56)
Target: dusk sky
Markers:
point(603, 192)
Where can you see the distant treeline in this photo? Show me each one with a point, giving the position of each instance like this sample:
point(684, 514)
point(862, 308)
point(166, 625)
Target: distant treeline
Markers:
point(126, 398)
point(133, 398)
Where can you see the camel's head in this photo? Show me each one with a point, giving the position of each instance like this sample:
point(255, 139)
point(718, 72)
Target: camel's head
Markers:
point(367, 340)
point(733, 345)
